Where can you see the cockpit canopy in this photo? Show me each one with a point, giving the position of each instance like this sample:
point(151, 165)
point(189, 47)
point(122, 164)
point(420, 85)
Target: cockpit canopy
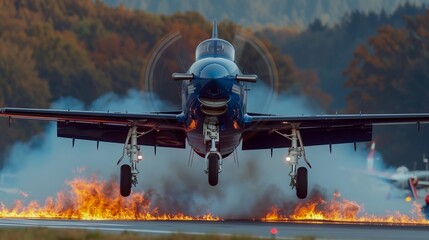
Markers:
point(215, 47)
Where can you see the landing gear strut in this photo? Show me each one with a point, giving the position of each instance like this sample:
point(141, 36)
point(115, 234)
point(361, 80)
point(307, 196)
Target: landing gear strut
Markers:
point(213, 158)
point(298, 176)
point(128, 174)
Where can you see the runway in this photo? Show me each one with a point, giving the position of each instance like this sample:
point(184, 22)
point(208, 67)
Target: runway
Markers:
point(287, 230)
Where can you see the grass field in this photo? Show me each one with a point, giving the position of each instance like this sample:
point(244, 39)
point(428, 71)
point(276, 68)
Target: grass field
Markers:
point(72, 234)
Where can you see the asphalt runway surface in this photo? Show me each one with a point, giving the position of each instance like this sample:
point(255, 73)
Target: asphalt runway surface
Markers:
point(286, 230)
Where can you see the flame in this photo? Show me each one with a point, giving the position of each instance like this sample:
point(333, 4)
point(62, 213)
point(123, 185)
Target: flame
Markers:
point(192, 125)
point(94, 199)
point(341, 210)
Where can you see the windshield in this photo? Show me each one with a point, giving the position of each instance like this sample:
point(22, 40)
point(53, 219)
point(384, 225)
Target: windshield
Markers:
point(215, 48)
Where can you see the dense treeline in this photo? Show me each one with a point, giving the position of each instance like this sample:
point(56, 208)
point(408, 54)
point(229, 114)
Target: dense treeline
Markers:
point(328, 50)
point(371, 63)
point(84, 49)
point(390, 74)
point(269, 12)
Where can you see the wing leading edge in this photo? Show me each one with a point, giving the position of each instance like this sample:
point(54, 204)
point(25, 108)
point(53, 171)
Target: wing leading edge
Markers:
point(264, 131)
point(160, 129)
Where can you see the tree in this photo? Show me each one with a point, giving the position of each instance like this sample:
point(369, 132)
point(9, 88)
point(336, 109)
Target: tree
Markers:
point(328, 50)
point(390, 75)
point(20, 86)
point(121, 59)
point(65, 64)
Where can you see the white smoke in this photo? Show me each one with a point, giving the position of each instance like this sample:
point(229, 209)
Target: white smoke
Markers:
point(41, 169)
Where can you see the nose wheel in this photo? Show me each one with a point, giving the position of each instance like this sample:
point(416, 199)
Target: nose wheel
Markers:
point(213, 169)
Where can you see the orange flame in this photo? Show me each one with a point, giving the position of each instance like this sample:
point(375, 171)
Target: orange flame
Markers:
point(95, 200)
point(341, 210)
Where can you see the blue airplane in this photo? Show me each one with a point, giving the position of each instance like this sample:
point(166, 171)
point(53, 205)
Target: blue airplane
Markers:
point(214, 121)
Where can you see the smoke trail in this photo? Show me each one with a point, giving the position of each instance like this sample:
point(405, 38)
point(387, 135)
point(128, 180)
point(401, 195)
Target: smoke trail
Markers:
point(244, 192)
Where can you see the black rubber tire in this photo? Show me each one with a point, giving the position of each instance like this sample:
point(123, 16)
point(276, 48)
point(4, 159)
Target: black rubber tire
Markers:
point(125, 180)
point(301, 183)
point(213, 169)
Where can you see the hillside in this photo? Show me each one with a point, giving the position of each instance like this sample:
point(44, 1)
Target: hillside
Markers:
point(290, 13)
point(50, 50)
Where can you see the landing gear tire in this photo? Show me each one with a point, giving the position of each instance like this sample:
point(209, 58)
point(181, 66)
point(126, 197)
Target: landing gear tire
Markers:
point(125, 180)
point(301, 183)
point(213, 170)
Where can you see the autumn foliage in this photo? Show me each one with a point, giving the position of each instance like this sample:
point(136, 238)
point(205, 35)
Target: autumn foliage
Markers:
point(84, 49)
point(389, 74)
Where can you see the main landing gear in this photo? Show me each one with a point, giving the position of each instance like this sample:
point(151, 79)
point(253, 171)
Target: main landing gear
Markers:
point(213, 158)
point(298, 176)
point(128, 173)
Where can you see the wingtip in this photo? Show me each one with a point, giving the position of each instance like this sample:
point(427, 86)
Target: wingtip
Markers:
point(6, 109)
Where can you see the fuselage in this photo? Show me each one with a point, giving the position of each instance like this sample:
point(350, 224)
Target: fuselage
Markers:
point(214, 95)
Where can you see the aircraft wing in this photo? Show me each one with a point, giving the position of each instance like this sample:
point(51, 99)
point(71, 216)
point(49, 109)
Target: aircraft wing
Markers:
point(161, 129)
point(261, 131)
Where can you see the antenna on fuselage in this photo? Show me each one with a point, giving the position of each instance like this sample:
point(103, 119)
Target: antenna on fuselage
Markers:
point(214, 31)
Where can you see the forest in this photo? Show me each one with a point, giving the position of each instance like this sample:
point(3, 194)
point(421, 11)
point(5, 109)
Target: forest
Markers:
point(368, 62)
point(290, 13)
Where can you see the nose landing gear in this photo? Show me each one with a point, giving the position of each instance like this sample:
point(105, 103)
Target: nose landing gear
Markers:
point(213, 158)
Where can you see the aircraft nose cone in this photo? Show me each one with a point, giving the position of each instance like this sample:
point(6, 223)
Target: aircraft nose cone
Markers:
point(213, 71)
point(214, 97)
point(214, 89)
point(213, 83)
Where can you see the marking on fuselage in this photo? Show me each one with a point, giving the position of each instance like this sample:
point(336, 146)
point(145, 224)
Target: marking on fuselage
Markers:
point(191, 88)
point(236, 89)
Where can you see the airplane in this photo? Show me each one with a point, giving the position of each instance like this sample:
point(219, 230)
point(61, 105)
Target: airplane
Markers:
point(402, 178)
point(214, 121)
